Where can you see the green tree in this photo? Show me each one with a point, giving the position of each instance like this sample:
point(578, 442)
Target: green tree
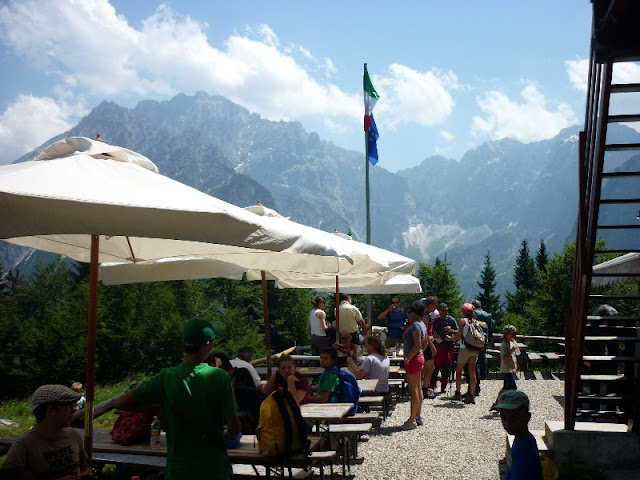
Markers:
point(542, 258)
point(487, 295)
point(439, 281)
point(524, 279)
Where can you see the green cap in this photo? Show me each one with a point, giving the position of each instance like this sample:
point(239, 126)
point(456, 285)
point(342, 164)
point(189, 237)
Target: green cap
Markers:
point(198, 331)
point(510, 400)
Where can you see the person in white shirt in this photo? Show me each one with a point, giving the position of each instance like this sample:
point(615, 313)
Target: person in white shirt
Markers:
point(242, 360)
point(317, 324)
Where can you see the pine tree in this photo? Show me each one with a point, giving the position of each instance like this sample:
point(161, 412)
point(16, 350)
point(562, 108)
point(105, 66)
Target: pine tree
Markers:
point(524, 272)
point(487, 296)
point(542, 258)
point(439, 281)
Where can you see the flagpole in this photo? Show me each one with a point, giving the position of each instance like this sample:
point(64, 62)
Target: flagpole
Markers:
point(366, 189)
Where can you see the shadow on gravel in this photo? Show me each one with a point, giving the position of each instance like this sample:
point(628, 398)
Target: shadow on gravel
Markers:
point(559, 399)
point(449, 404)
point(491, 416)
point(388, 430)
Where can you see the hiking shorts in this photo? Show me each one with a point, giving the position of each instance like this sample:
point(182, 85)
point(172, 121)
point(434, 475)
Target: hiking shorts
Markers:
point(414, 366)
point(428, 354)
point(509, 381)
point(466, 355)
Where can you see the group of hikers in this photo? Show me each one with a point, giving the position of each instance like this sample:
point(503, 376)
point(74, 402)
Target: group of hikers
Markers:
point(201, 397)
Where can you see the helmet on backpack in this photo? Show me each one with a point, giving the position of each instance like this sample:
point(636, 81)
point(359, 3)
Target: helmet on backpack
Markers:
point(467, 309)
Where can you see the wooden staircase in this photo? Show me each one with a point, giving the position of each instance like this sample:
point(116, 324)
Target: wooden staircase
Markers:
point(603, 352)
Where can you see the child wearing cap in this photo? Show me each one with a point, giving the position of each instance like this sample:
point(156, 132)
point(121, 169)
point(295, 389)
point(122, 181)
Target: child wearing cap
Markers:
point(53, 449)
point(524, 459)
point(508, 360)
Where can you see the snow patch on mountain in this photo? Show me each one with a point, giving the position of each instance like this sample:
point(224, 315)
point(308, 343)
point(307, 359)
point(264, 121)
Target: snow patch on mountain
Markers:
point(435, 239)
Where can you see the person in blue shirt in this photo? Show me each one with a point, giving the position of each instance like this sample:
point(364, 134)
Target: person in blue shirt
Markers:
point(524, 459)
point(396, 318)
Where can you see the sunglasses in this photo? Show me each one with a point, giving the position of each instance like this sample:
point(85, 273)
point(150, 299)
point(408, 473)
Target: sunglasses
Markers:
point(395, 302)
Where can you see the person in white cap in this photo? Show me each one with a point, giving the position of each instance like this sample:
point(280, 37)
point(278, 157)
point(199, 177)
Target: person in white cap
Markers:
point(524, 459)
point(53, 449)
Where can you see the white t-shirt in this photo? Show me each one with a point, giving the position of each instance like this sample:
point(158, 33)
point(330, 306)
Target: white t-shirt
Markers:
point(316, 323)
point(237, 363)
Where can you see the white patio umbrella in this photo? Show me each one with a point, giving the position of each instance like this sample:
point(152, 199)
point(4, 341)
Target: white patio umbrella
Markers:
point(380, 283)
point(621, 269)
point(95, 202)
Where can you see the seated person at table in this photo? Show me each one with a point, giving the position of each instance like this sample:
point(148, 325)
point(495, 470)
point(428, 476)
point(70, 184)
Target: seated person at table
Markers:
point(329, 382)
point(288, 378)
point(345, 349)
point(247, 396)
point(242, 360)
point(53, 449)
point(375, 366)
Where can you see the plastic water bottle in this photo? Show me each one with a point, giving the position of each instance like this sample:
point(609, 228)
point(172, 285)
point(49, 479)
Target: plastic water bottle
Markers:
point(155, 433)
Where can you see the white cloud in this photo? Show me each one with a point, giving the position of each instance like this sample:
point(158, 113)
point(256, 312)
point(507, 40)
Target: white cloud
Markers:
point(30, 121)
point(528, 121)
point(623, 72)
point(578, 71)
point(409, 96)
point(447, 135)
point(329, 66)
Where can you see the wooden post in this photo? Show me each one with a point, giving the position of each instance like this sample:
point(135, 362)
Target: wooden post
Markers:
point(91, 347)
point(267, 327)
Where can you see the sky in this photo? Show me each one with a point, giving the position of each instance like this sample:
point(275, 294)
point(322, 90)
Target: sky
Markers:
point(451, 75)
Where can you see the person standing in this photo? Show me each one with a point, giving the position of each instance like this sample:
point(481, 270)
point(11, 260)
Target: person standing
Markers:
point(396, 321)
point(414, 341)
point(351, 319)
point(318, 327)
point(485, 319)
point(53, 449)
point(430, 314)
point(508, 360)
point(196, 401)
point(444, 349)
point(466, 354)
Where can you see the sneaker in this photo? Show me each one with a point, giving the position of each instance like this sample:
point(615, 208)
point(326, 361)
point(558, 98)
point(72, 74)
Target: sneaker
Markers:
point(430, 393)
point(409, 425)
point(443, 390)
point(419, 421)
point(456, 396)
point(468, 398)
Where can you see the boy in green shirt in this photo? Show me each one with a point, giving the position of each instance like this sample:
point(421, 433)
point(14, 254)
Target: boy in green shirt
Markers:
point(329, 383)
point(197, 400)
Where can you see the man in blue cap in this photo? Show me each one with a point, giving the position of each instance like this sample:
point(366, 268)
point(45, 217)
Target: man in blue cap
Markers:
point(197, 400)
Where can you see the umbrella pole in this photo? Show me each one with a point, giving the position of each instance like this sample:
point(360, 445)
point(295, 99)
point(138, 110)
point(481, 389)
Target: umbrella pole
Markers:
point(337, 308)
point(267, 328)
point(91, 347)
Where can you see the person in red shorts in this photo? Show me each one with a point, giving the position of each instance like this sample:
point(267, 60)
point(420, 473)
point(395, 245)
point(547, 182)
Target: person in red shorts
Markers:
point(414, 341)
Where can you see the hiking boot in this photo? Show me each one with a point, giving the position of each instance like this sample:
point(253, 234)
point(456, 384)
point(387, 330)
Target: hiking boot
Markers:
point(456, 396)
point(430, 393)
point(468, 398)
point(419, 421)
point(409, 425)
point(443, 390)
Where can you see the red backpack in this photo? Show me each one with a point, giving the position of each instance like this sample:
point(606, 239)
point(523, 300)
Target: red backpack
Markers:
point(131, 427)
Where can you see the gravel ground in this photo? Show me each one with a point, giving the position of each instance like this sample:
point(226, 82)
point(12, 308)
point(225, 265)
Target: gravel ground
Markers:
point(457, 441)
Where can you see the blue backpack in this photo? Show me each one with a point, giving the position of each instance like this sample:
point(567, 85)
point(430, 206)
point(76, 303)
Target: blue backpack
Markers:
point(348, 391)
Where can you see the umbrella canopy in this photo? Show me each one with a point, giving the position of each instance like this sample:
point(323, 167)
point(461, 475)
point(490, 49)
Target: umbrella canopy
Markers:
point(385, 282)
point(79, 187)
point(626, 264)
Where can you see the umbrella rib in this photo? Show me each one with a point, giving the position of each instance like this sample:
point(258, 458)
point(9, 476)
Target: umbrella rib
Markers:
point(133, 256)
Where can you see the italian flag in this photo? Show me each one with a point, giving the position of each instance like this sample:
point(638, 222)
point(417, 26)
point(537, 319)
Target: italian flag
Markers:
point(370, 99)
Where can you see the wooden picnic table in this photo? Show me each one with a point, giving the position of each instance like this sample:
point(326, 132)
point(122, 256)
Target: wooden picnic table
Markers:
point(106, 450)
point(325, 412)
point(368, 386)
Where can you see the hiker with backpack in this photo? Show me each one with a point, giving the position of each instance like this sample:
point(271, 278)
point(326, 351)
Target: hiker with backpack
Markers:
point(334, 385)
point(471, 338)
point(414, 341)
point(444, 349)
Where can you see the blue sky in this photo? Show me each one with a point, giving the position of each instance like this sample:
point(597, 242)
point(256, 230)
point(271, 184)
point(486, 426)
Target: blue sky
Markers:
point(451, 75)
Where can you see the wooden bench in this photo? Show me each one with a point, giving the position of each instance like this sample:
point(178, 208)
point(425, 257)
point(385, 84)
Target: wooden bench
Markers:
point(321, 457)
point(361, 417)
point(552, 356)
point(534, 357)
point(397, 387)
point(382, 401)
point(344, 433)
point(260, 471)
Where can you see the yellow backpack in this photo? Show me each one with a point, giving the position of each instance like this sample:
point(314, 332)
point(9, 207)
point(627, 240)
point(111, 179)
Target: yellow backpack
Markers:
point(281, 429)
